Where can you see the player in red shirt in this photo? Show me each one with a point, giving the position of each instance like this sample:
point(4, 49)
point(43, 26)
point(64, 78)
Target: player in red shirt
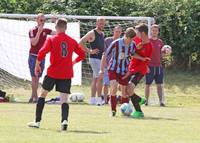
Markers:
point(60, 71)
point(138, 68)
point(37, 37)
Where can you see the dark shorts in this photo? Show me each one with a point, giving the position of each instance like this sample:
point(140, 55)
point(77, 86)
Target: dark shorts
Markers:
point(62, 85)
point(118, 77)
point(31, 62)
point(156, 73)
point(135, 78)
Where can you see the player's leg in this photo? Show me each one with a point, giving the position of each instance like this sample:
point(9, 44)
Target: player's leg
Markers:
point(123, 88)
point(64, 110)
point(113, 91)
point(93, 91)
point(105, 86)
point(136, 100)
point(113, 97)
point(124, 96)
point(64, 86)
point(34, 79)
point(93, 83)
point(99, 82)
point(149, 79)
point(159, 84)
point(47, 85)
point(34, 86)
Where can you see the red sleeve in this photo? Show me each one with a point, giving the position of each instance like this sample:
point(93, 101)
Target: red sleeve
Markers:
point(137, 40)
point(149, 52)
point(80, 52)
point(45, 49)
point(48, 31)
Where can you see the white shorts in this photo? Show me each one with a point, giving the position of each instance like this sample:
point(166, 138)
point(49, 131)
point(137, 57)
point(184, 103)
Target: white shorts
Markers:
point(95, 65)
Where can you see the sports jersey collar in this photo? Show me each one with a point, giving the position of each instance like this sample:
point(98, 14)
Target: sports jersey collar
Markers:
point(61, 33)
point(123, 44)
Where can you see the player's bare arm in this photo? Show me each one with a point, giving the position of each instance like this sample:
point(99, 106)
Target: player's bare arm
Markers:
point(136, 56)
point(35, 40)
point(37, 68)
point(89, 37)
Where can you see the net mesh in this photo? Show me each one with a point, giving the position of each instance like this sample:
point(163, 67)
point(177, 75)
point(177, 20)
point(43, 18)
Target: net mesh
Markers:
point(17, 33)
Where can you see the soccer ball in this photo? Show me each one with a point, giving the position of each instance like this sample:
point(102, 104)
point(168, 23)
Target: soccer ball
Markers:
point(80, 97)
point(167, 49)
point(76, 97)
point(126, 109)
point(73, 97)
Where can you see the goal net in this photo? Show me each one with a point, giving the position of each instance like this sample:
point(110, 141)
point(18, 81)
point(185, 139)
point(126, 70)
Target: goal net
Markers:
point(15, 44)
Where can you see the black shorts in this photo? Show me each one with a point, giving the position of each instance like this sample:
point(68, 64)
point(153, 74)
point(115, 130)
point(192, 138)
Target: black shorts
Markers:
point(156, 73)
point(135, 78)
point(62, 85)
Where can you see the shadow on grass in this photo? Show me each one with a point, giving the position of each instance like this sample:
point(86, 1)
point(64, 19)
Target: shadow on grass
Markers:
point(76, 131)
point(87, 132)
point(149, 118)
point(158, 118)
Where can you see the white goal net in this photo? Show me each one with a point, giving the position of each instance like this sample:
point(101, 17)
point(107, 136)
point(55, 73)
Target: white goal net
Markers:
point(15, 44)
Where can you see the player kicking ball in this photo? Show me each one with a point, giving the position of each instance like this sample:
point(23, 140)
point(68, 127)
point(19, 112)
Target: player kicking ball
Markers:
point(60, 71)
point(119, 52)
point(138, 68)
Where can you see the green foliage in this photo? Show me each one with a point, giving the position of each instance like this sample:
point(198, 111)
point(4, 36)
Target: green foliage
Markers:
point(178, 19)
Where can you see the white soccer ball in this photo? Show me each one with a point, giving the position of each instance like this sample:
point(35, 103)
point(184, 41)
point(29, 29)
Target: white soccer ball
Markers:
point(126, 109)
point(73, 97)
point(167, 49)
point(80, 97)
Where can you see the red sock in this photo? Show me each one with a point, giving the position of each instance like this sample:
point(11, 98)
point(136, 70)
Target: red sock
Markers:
point(113, 102)
point(124, 100)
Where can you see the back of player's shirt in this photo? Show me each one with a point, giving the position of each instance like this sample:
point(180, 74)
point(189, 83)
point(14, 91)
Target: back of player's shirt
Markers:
point(61, 48)
point(119, 56)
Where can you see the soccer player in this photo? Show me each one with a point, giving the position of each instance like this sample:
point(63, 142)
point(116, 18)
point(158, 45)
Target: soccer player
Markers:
point(37, 37)
point(119, 52)
point(60, 71)
point(117, 31)
point(95, 38)
point(155, 67)
point(138, 68)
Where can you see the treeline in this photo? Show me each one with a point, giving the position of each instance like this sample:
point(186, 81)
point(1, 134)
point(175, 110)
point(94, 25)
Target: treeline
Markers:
point(179, 19)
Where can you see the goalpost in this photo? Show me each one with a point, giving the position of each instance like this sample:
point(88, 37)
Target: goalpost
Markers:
point(15, 44)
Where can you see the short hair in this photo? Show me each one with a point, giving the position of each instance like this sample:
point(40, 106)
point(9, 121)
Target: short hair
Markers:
point(100, 18)
point(39, 15)
point(155, 26)
point(142, 27)
point(118, 27)
point(130, 32)
point(61, 23)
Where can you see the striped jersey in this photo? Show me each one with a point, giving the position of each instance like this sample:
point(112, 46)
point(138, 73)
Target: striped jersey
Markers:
point(119, 55)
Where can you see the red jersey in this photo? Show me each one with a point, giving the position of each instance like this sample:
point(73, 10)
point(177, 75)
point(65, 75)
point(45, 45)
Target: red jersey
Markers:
point(156, 55)
point(32, 33)
point(61, 48)
point(137, 65)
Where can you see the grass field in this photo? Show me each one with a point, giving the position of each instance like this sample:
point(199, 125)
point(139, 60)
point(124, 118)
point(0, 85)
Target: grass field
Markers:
point(179, 122)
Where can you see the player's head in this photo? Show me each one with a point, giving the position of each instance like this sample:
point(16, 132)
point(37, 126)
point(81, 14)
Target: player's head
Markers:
point(142, 30)
point(117, 31)
point(40, 19)
point(100, 23)
point(61, 25)
point(154, 30)
point(130, 33)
